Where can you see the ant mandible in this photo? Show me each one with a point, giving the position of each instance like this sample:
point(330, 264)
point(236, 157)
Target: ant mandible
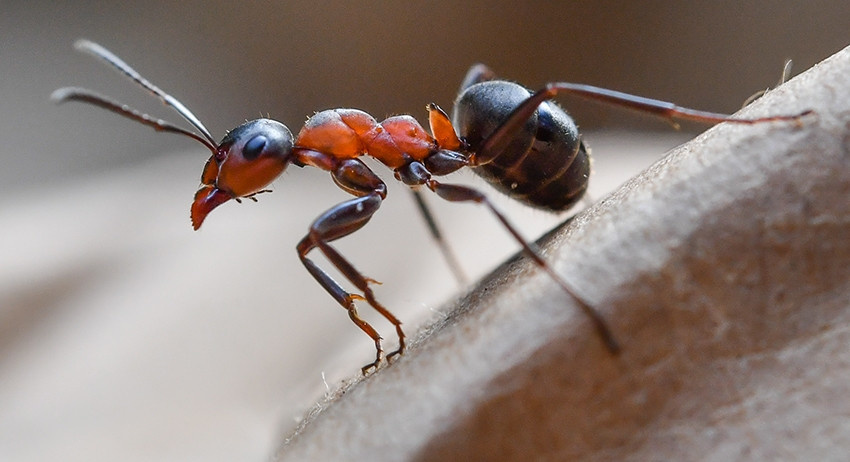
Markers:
point(522, 143)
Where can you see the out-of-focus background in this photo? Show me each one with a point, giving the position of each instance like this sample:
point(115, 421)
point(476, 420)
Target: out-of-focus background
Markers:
point(126, 335)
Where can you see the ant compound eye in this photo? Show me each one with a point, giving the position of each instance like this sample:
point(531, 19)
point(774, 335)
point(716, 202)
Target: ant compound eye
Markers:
point(254, 147)
point(253, 139)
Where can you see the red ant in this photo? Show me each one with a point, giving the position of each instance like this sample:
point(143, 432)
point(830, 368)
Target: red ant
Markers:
point(525, 145)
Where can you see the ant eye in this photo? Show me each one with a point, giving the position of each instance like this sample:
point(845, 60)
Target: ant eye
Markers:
point(254, 147)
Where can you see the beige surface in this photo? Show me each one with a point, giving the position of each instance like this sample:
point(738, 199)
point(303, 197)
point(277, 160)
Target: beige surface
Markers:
point(723, 271)
point(124, 335)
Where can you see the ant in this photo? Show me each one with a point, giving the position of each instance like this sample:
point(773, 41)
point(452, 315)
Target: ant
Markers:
point(522, 143)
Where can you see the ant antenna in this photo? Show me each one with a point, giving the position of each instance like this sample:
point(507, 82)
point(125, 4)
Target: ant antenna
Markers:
point(87, 96)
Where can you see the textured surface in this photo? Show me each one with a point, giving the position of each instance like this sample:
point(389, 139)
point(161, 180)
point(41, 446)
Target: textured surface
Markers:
point(723, 270)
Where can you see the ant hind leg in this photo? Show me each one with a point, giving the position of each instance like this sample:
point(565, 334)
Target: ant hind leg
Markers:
point(415, 173)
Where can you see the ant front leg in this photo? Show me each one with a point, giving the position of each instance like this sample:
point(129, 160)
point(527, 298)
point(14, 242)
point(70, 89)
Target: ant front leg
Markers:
point(415, 173)
point(340, 221)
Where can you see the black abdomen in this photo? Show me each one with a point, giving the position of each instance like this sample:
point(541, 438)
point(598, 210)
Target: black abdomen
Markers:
point(546, 166)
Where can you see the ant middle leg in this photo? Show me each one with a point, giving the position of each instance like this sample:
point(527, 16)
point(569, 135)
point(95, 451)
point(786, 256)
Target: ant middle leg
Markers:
point(439, 239)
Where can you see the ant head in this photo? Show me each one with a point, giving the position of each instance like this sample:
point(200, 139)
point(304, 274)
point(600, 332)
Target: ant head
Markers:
point(249, 158)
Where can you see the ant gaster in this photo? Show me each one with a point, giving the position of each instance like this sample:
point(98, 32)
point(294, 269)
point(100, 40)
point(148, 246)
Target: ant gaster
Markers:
point(521, 142)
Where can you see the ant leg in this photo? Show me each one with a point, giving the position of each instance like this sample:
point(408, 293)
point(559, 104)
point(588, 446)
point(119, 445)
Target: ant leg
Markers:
point(476, 74)
point(340, 221)
point(497, 141)
point(354, 176)
point(337, 222)
point(457, 193)
point(415, 172)
point(447, 252)
point(362, 283)
point(450, 160)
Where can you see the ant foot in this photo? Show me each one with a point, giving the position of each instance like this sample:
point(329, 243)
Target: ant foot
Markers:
point(392, 356)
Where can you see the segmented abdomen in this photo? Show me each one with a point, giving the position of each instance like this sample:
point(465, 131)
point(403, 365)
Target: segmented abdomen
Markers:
point(545, 165)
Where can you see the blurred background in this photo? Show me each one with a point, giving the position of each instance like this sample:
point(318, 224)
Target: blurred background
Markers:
point(123, 334)
point(230, 62)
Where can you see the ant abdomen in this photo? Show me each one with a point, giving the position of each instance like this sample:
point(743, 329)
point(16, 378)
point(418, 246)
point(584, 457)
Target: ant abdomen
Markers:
point(545, 165)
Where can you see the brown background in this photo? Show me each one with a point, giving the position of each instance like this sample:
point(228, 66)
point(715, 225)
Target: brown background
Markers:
point(232, 61)
point(125, 335)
